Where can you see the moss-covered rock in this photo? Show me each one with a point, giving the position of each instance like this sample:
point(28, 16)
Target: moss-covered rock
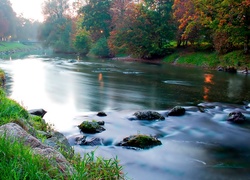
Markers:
point(91, 127)
point(140, 141)
point(148, 115)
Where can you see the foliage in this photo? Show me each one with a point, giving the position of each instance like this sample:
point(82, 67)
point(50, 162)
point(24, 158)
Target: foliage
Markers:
point(7, 20)
point(38, 123)
point(57, 28)
point(82, 42)
point(17, 162)
point(2, 77)
point(26, 29)
point(224, 23)
point(207, 59)
point(143, 30)
point(91, 167)
point(100, 48)
point(96, 18)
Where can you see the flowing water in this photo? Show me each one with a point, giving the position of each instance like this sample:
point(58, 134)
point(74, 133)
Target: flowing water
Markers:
point(194, 146)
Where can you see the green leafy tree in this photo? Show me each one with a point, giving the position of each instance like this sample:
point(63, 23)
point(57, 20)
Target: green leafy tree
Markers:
point(96, 18)
point(57, 28)
point(100, 48)
point(82, 42)
point(145, 30)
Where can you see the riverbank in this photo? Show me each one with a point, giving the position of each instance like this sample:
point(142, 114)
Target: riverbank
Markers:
point(30, 145)
point(10, 48)
point(208, 59)
point(204, 59)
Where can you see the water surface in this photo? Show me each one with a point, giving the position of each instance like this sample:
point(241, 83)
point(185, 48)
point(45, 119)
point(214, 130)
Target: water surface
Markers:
point(194, 146)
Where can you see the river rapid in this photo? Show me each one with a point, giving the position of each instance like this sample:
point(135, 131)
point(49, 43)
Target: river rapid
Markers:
point(198, 145)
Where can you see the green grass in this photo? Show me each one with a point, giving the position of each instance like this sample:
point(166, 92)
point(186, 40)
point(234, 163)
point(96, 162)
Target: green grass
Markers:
point(6, 46)
point(209, 59)
point(91, 167)
point(18, 162)
point(10, 110)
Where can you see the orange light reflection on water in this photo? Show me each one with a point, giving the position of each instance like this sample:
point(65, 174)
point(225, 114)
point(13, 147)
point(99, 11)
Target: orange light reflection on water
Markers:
point(208, 79)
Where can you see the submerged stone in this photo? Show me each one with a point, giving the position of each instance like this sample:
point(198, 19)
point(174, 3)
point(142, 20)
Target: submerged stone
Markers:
point(148, 115)
point(140, 141)
point(177, 111)
point(91, 127)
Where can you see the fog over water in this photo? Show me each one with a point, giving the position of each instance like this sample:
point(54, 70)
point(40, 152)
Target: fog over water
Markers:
point(194, 146)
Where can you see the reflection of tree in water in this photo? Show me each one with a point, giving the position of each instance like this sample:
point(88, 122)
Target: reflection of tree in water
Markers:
point(208, 79)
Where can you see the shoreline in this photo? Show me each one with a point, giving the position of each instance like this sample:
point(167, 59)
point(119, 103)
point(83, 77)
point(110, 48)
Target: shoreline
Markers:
point(128, 58)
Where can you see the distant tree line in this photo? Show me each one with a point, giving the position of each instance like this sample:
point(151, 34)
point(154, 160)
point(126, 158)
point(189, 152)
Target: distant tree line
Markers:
point(142, 28)
point(15, 28)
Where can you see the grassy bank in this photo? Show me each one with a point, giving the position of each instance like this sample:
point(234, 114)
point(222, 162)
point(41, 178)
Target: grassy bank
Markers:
point(9, 46)
point(18, 161)
point(209, 59)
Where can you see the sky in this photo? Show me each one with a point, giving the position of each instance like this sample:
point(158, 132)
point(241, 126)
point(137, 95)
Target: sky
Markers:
point(29, 8)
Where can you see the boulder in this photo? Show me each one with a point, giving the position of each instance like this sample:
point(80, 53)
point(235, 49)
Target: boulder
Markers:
point(148, 115)
point(15, 132)
point(177, 111)
point(91, 127)
point(236, 117)
point(140, 141)
point(37, 112)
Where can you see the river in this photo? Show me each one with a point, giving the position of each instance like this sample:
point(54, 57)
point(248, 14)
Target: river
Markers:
point(194, 146)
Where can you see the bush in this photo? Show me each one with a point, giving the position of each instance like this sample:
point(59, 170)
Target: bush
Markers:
point(82, 42)
point(101, 48)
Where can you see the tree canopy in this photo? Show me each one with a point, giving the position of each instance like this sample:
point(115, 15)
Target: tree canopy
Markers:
point(145, 28)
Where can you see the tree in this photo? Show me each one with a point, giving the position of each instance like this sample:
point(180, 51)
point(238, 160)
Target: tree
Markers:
point(145, 29)
point(100, 48)
point(188, 22)
point(57, 28)
point(229, 22)
point(82, 42)
point(26, 29)
point(7, 20)
point(96, 18)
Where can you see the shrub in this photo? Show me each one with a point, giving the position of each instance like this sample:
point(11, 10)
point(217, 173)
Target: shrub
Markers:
point(101, 48)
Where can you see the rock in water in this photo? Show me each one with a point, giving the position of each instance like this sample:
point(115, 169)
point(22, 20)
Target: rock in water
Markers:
point(91, 127)
point(177, 111)
point(148, 115)
point(140, 141)
point(37, 112)
point(101, 114)
point(236, 117)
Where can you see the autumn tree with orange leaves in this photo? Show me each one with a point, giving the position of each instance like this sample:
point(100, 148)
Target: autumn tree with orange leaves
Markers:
point(224, 23)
